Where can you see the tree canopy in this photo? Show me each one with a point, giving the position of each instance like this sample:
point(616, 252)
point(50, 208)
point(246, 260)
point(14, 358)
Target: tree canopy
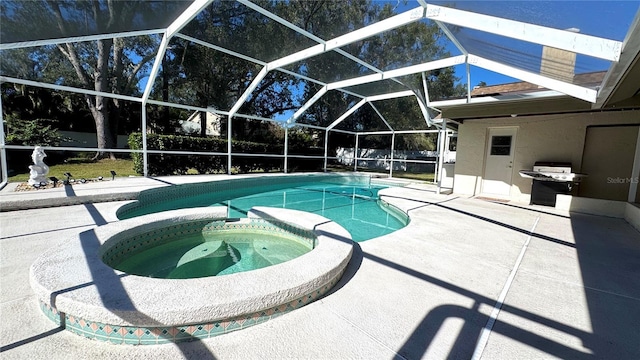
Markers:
point(193, 74)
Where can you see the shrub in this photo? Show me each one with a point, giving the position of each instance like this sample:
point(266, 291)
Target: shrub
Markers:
point(170, 164)
point(37, 132)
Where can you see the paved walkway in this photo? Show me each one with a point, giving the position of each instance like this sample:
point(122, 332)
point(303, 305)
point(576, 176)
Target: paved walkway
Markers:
point(467, 276)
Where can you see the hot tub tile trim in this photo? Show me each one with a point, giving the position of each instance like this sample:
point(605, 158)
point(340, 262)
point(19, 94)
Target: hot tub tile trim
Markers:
point(132, 335)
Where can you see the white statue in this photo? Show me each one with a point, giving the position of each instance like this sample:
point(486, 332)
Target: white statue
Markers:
point(39, 169)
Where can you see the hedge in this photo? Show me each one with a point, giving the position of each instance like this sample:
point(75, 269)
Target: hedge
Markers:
point(170, 164)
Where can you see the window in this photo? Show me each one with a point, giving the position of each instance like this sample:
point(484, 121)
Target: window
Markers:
point(501, 145)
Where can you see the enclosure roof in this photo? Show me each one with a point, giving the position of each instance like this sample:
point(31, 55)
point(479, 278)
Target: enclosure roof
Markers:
point(552, 46)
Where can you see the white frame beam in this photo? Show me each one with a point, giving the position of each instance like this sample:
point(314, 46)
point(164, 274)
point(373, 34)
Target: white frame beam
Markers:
point(347, 113)
point(4, 171)
point(218, 48)
point(381, 117)
point(187, 15)
point(414, 69)
point(393, 146)
point(393, 22)
point(261, 75)
point(68, 89)
point(308, 104)
point(34, 43)
point(383, 132)
point(424, 110)
point(442, 140)
point(172, 29)
point(561, 39)
point(301, 31)
point(145, 96)
point(394, 95)
point(576, 91)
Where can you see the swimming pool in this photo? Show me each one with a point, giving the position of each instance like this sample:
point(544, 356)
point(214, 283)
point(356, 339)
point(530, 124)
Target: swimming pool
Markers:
point(349, 200)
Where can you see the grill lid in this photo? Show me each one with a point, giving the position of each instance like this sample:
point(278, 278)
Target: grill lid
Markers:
point(552, 171)
point(552, 167)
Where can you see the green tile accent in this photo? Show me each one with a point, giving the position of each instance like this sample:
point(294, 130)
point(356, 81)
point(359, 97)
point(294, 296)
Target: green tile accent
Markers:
point(160, 335)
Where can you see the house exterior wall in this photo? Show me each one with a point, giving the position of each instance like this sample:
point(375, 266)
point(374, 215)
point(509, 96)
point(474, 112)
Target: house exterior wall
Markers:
point(558, 137)
point(608, 162)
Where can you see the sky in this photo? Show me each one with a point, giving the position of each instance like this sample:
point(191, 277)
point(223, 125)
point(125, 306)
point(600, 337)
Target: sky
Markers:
point(607, 19)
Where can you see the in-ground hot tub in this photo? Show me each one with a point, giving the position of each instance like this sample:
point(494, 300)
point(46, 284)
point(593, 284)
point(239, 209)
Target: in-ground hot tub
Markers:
point(78, 291)
point(206, 248)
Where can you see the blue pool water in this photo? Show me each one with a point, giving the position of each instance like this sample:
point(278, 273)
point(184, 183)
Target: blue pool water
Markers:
point(354, 208)
point(353, 204)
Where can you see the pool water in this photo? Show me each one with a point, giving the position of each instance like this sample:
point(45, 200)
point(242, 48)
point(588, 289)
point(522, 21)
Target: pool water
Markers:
point(211, 254)
point(354, 208)
point(355, 205)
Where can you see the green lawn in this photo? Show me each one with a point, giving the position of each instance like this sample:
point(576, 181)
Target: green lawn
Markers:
point(84, 169)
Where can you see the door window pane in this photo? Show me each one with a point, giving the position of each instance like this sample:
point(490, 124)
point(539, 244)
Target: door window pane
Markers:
point(501, 145)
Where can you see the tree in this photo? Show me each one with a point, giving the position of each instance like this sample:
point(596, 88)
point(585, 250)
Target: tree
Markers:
point(408, 45)
point(206, 78)
point(111, 65)
point(197, 75)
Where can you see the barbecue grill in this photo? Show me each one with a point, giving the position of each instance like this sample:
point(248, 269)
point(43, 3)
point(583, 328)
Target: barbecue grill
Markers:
point(550, 179)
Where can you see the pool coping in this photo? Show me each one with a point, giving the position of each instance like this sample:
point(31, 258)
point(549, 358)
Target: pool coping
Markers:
point(78, 290)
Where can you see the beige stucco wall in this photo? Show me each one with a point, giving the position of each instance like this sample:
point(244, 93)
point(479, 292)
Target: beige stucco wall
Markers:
point(608, 163)
point(557, 137)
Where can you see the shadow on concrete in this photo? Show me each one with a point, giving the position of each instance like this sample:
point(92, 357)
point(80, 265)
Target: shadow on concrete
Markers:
point(30, 339)
point(350, 271)
point(111, 290)
point(530, 209)
point(416, 346)
point(354, 262)
point(486, 219)
point(162, 181)
point(609, 256)
point(46, 231)
point(608, 252)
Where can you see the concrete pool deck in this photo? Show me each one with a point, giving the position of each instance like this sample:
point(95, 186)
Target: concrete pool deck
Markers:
point(567, 285)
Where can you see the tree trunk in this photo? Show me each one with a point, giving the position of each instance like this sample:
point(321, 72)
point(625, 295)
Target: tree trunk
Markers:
point(203, 124)
point(100, 111)
point(104, 136)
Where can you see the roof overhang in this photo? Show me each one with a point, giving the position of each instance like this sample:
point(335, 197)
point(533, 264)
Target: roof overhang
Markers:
point(621, 85)
point(619, 89)
point(538, 103)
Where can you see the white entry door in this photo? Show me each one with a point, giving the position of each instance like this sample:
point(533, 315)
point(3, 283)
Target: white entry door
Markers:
point(498, 168)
